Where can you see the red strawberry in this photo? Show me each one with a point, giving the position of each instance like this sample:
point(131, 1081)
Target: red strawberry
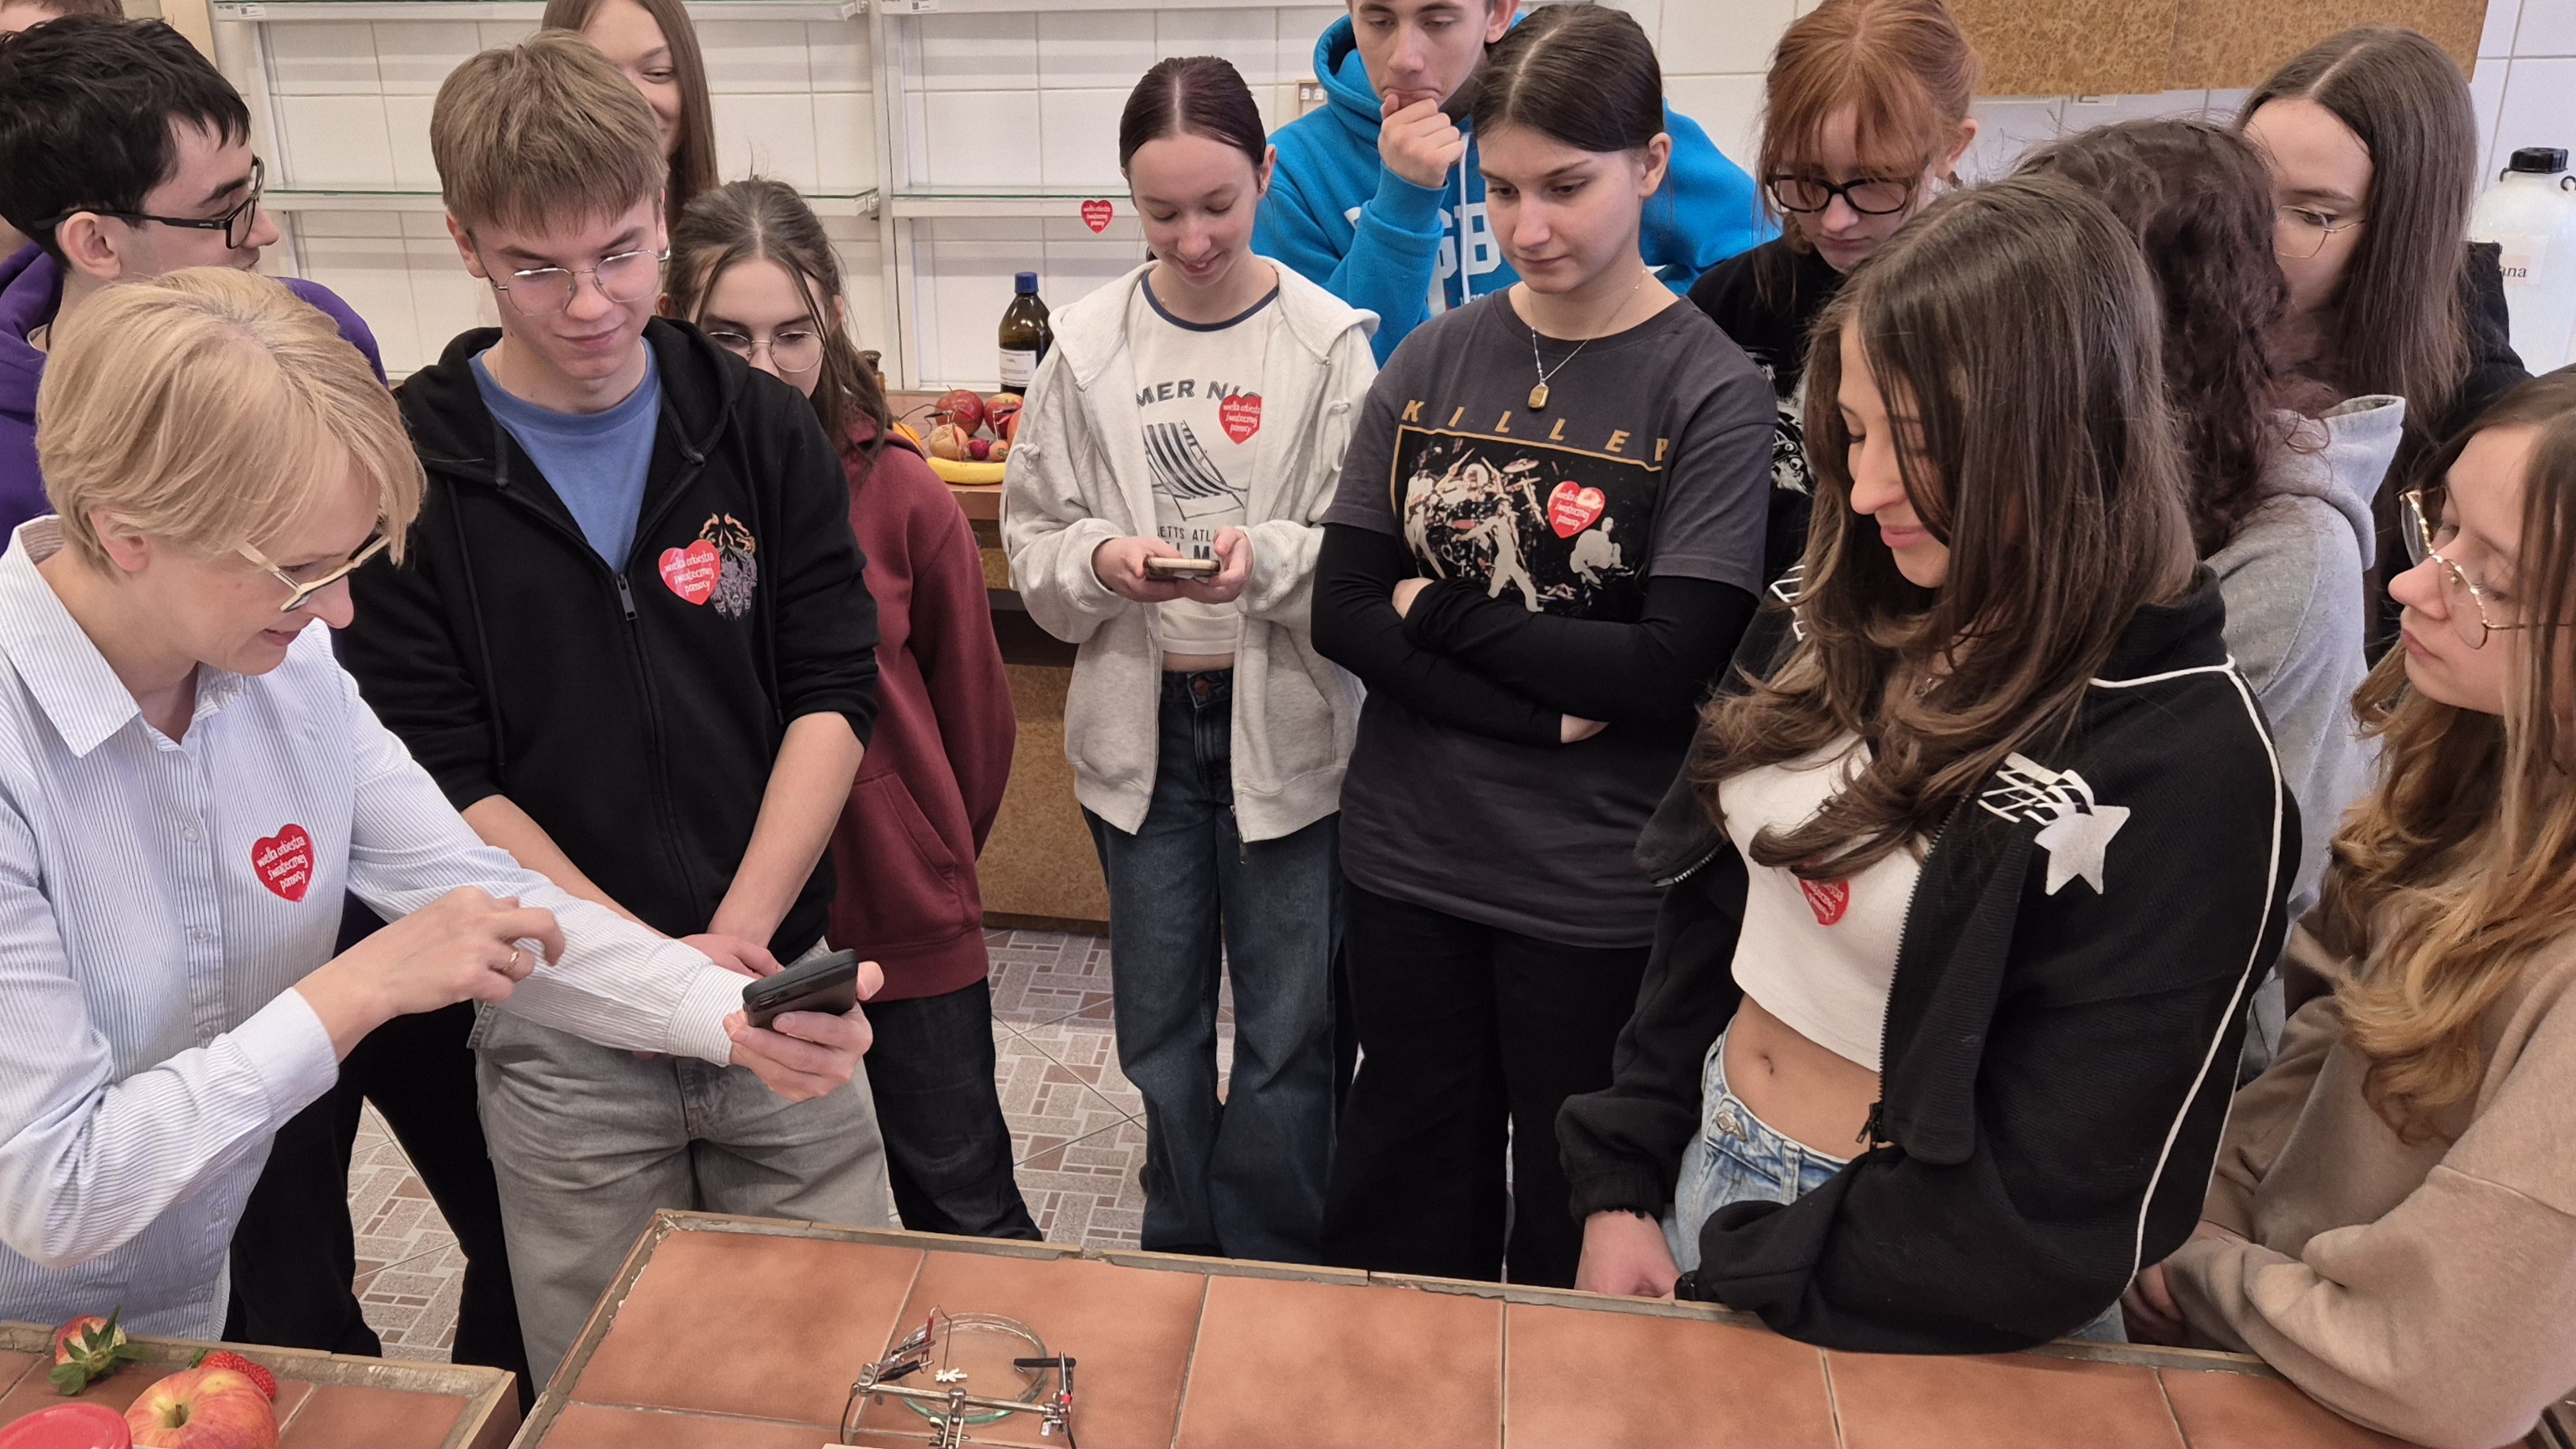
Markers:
point(224, 1358)
point(89, 1347)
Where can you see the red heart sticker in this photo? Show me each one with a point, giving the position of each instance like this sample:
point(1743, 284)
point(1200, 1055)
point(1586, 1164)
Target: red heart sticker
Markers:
point(1827, 898)
point(284, 862)
point(1096, 214)
point(691, 572)
point(1572, 508)
point(1241, 416)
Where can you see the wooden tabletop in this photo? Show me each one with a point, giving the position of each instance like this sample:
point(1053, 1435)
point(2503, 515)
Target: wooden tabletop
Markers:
point(747, 1334)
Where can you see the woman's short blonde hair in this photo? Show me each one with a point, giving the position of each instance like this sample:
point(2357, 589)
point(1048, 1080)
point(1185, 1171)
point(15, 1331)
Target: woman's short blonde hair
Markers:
point(214, 408)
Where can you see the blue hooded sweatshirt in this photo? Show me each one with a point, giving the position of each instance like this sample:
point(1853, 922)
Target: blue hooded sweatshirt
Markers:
point(31, 289)
point(1378, 241)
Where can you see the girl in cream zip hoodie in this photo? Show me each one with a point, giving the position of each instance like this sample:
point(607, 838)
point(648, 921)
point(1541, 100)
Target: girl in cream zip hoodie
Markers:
point(1200, 406)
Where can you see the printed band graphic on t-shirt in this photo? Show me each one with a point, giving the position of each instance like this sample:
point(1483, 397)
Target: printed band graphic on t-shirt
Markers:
point(1555, 529)
point(1184, 473)
point(2075, 829)
point(1789, 441)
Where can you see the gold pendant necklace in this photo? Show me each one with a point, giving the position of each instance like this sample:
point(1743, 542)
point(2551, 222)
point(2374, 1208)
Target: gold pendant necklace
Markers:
point(1538, 394)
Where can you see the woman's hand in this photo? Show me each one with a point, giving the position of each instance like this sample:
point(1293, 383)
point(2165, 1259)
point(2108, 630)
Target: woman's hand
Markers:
point(802, 1055)
point(1406, 592)
point(464, 946)
point(2151, 1311)
point(1119, 564)
point(1626, 1254)
point(1570, 730)
point(1234, 571)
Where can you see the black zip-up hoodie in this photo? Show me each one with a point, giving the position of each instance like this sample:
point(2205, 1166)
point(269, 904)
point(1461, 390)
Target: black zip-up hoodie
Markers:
point(2057, 1064)
point(635, 715)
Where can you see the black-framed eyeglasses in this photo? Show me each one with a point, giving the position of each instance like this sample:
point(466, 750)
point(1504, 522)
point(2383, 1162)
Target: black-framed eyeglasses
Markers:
point(797, 350)
point(1870, 195)
point(2424, 534)
point(303, 583)
point(2299, 232)
point(545, 291)
point(235, 224)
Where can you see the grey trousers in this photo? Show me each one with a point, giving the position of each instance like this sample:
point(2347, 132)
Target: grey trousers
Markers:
point(588, 1142)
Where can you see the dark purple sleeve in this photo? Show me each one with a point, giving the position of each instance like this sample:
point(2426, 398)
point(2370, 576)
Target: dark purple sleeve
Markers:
point(352, 326)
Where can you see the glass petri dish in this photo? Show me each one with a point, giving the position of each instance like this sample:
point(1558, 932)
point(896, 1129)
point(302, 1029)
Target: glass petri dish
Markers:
point(982, 1346)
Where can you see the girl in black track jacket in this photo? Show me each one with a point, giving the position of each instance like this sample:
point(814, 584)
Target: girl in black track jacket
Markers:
point(1979, 851)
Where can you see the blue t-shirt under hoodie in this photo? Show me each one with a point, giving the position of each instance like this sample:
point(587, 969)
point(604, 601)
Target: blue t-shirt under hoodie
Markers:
point(1378, 241)
point(597, 462)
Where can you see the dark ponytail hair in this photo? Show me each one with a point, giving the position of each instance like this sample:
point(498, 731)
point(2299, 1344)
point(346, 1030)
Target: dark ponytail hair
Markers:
point(759, 219)
point(1582, 74)
point(1193, 95)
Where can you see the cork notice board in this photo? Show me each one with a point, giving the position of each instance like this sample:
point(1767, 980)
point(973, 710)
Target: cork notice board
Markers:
point(2135, 47)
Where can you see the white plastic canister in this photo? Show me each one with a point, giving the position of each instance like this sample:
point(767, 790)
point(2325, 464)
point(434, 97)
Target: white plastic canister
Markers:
point(2531, 214)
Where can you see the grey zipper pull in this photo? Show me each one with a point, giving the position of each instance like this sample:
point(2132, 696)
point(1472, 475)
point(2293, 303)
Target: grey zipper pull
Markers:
point(625, 597)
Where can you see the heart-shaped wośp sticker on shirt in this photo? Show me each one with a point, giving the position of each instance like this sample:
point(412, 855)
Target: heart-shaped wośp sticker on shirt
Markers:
point(284, 862)
point(1240, 416)
point(1573, 507)
point(1827, 898)
point(1096, 214)
point(692, 572)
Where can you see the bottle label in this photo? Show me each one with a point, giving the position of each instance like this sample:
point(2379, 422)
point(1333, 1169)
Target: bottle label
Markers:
point(2522, 259)
point(1017, 368)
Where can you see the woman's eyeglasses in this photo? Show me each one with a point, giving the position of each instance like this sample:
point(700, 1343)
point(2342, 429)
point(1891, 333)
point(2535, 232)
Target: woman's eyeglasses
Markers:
point(2474, 614)
point(303, 582)
point(235, 224)
point(2299, 232)
point(545, 291)
point(1870, 195)
point(797, 350)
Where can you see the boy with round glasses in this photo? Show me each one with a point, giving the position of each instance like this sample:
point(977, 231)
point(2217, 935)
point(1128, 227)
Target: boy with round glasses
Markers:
point(633, 641)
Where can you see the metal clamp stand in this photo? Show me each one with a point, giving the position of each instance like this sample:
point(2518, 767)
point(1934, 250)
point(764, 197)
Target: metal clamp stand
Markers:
point(952, 1405)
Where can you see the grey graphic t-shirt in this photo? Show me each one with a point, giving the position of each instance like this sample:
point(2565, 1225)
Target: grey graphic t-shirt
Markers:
point(1652, 456)
point(1198, 396)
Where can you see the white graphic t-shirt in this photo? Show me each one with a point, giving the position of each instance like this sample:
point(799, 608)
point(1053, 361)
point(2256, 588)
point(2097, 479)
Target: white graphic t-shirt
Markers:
point(1198, 395)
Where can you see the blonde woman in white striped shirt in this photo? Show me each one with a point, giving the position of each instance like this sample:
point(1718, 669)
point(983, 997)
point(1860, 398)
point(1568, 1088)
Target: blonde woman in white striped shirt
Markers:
point(188, 783)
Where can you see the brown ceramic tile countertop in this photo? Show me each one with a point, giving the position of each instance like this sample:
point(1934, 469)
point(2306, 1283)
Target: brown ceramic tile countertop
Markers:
point(1576, 1378)
point(751, 1324)
point(340, 1415)
point(2234, 1411)
point(1330, 1366)
point(1130, 1333)
point(2015, 1401)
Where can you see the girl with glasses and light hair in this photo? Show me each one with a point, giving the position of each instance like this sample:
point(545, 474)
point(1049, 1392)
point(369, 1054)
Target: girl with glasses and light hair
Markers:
point(190, 783)
point(2396, 1178)
point(1864, 120)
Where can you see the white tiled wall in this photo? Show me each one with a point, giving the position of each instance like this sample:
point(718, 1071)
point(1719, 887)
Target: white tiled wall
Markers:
point(1031, 101)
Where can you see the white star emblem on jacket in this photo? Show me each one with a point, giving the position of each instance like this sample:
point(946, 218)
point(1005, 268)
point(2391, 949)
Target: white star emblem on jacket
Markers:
point(2075, 829)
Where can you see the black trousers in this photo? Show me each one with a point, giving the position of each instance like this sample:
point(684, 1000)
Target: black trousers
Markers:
point(948, 1148)
point(294, 1254)
point(1469, 1036)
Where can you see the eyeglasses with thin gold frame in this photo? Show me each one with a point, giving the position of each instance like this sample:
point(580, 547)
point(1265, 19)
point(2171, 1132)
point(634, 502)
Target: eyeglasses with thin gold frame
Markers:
point(301, 591)
point(2462, 599)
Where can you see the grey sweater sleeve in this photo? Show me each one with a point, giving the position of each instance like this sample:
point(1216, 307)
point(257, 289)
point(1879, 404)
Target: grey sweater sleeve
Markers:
point(2292, 579)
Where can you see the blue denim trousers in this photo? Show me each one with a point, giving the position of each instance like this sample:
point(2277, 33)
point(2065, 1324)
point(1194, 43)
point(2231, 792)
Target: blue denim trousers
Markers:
point(1189, 897)
point(1737, 1157)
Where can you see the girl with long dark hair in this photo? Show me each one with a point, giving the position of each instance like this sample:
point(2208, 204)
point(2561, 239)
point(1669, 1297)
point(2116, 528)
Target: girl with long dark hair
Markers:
point(1162, 510)
point(1982, 847)
point(653, 43)
point(751, 267)
point(1548, 538)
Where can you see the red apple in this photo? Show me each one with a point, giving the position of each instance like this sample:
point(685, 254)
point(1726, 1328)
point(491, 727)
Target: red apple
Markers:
point(964, 408)
point(1002, 413)
point(203, 1408)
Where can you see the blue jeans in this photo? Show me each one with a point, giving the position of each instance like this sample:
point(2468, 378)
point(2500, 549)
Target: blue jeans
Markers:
point(1737, 1157)
point(1188, 897)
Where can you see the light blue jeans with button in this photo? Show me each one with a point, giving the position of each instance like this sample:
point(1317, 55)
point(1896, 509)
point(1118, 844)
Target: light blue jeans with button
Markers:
point(1737, 1157)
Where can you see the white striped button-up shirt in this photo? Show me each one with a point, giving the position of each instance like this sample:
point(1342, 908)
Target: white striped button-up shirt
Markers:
point(158, 899)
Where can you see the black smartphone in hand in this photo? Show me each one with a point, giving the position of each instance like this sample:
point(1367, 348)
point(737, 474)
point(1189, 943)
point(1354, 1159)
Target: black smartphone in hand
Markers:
point(826, 983)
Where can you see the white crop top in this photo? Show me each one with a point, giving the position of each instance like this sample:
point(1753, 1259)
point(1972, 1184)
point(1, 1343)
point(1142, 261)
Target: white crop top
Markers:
point(1819, 955)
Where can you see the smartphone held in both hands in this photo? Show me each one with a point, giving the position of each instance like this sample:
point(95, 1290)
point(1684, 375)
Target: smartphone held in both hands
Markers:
point(1163, 566)
point(826, 984)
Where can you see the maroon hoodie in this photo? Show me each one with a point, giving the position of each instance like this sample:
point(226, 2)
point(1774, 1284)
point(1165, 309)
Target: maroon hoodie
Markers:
point(925, 799)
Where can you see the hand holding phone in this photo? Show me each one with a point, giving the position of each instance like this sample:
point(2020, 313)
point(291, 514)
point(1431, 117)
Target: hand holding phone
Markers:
point(828, 984)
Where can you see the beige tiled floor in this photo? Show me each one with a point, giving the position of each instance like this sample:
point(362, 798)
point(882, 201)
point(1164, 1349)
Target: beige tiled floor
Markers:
point(1077, 1129)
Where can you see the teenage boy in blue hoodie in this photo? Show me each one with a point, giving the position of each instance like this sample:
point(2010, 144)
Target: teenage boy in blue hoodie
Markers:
point(1378, 197)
